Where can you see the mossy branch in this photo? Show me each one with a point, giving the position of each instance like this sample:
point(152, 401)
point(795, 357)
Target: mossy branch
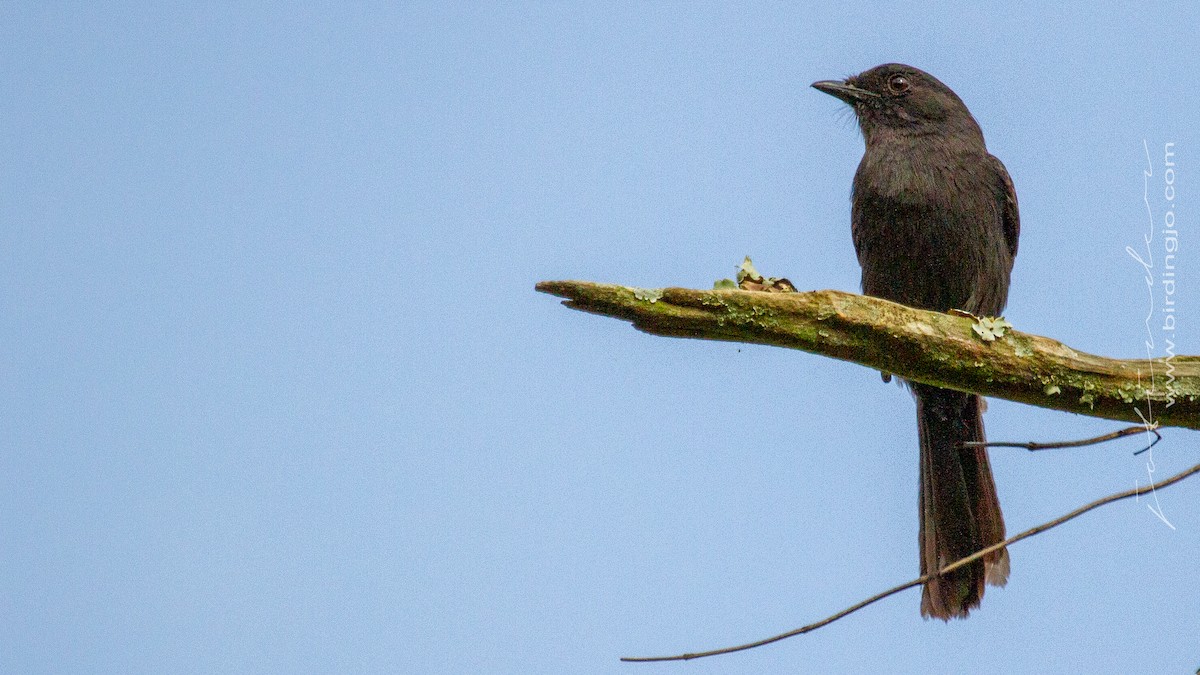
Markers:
point(930, 347)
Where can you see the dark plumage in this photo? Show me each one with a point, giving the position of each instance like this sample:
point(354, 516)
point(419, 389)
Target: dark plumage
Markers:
point(935, 224)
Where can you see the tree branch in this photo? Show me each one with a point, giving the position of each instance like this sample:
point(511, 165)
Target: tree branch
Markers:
point(929, 347)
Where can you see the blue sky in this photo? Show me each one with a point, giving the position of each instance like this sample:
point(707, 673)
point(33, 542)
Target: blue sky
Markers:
point(280, 396)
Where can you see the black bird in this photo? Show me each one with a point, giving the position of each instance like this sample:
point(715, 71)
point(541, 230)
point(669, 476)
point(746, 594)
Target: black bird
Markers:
point(935, 225)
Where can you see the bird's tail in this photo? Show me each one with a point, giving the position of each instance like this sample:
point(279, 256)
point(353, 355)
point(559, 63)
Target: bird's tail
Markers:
point(960, 511)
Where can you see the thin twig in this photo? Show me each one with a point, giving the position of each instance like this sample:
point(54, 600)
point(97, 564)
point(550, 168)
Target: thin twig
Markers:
point(1034, 445)
point(916, 582)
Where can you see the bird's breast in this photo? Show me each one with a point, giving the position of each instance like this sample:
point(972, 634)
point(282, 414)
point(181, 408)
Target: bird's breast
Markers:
point(927, 227)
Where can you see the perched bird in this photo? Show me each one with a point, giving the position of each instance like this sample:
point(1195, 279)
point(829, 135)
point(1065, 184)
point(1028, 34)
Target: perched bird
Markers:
point(935, 225)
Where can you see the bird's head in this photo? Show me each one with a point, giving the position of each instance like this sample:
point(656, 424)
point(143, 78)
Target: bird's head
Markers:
point(897, 98)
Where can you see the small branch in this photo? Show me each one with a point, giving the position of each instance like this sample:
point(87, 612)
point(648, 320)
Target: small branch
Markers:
point(916, 582)
point(1034, 446)
point(929, 347)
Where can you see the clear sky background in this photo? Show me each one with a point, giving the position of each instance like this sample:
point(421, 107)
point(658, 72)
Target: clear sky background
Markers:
point(278, 394)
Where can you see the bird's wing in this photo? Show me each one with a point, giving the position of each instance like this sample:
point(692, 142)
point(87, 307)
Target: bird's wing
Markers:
point(1011, 219)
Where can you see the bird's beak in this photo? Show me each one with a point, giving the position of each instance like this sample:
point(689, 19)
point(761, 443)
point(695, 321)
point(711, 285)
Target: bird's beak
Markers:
point(847, 92)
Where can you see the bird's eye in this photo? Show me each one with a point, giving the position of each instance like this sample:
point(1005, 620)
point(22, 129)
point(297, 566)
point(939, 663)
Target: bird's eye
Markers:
point(898, 84)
